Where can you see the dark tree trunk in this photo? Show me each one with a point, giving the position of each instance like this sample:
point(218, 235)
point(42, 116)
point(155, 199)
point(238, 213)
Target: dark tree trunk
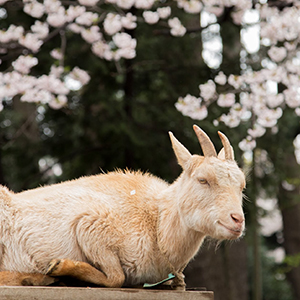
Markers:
point(231, 41)
point(289, 202)
point(128, 97)
point(222, 270)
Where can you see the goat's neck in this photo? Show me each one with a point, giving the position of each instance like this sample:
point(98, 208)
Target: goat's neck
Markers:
point(176, 241)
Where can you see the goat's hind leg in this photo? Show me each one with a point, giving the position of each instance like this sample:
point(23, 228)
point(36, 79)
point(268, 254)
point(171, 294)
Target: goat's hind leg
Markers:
point(82, 271)
point(8, 278)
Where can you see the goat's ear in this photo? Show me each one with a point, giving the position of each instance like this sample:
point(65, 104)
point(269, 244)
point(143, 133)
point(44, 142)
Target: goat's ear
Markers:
point(183, 155)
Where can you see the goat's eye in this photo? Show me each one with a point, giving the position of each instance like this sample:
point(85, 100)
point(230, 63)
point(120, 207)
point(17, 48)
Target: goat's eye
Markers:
point(203, 181)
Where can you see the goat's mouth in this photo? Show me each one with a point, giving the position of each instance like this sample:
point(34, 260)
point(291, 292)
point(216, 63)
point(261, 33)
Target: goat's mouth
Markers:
point(234, 231)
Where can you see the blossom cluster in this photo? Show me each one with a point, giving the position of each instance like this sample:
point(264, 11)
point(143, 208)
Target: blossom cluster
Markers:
point(254, 96)
point(48, 89)
point(249, 96)
point(191, 106)
point(105, 28)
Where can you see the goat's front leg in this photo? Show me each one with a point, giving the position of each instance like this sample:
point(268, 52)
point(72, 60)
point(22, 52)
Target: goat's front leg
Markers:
point(85, 272)
point(178, 282)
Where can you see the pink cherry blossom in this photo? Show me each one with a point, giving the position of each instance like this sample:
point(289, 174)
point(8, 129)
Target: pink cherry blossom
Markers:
point(41, 30)
point(191, 106)
point(164, 12)
point(127, 53)
point(37, 95)
point(56, 71)
point(226, 100)
point(56, 53)
point(177, 29)
point(192, 6)
point(24, 83)
point(87, 18)
point(13, 33)
point(125, 4)
point(34, 9)
point(52, 6)
point(277, 54)
point(31, 41)
point(102, 49)
point(80, 75)
point(274, 101)
point(91, 34)
point(88, 2)
point(221, 78)
point(24, 63)
point(75, 28)
point(256, 131)
point(126, 45)
point(151, 17)
point(112, 23)
point(73, 12)
point(129, 21)
point(58, 102)
point(247, 144)
point(269, 117)
point(57, 19)
point(207, 90)
point(235, 81)
point(144, 4)
point(52, 84)
point(230, 120)
point(292, 96)
point(124, 40)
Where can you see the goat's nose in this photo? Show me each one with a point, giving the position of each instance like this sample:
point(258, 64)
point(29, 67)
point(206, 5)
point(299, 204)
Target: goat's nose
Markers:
point(237, 218)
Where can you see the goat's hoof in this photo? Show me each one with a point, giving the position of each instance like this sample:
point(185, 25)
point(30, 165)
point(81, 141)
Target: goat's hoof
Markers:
point(179, 287)
point(53, 267)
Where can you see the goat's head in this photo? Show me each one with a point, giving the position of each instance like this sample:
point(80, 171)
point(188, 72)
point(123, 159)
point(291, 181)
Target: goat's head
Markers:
point(211, 186)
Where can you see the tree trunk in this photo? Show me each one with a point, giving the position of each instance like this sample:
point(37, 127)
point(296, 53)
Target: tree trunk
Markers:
point(222, 270)
point(232, 46)
point(289, 202)
point(128, 98)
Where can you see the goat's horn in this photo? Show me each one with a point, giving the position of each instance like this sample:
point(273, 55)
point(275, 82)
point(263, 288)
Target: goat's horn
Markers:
point(227, 147)
point(207, 146)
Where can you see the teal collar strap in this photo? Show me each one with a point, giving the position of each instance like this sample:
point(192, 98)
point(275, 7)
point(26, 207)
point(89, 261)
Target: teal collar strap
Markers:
point(150, 285)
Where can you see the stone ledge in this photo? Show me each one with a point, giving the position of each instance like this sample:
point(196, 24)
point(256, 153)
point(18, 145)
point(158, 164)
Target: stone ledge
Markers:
point(75, 293)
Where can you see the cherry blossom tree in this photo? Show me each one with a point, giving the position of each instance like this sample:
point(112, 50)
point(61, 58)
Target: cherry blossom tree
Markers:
point(256, 96)
point(259, 95)
point(103, 25)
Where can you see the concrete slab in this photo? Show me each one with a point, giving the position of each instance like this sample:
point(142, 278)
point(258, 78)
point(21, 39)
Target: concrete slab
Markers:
point(75, 293)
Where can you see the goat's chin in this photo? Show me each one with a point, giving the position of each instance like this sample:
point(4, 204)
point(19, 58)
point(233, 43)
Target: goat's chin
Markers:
point(227, 232)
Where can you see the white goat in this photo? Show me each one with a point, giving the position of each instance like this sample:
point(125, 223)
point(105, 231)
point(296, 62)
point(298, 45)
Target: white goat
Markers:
point(122, 228)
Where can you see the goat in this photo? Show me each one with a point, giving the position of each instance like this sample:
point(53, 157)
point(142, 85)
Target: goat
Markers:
point(122, 228)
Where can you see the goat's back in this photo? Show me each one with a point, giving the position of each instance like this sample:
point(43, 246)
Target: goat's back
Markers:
point(44, 221)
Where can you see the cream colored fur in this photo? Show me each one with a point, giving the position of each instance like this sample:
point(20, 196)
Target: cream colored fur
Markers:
point(122, 228)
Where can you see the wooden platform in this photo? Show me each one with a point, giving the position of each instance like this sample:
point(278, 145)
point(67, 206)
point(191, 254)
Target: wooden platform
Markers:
point(71, 293)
